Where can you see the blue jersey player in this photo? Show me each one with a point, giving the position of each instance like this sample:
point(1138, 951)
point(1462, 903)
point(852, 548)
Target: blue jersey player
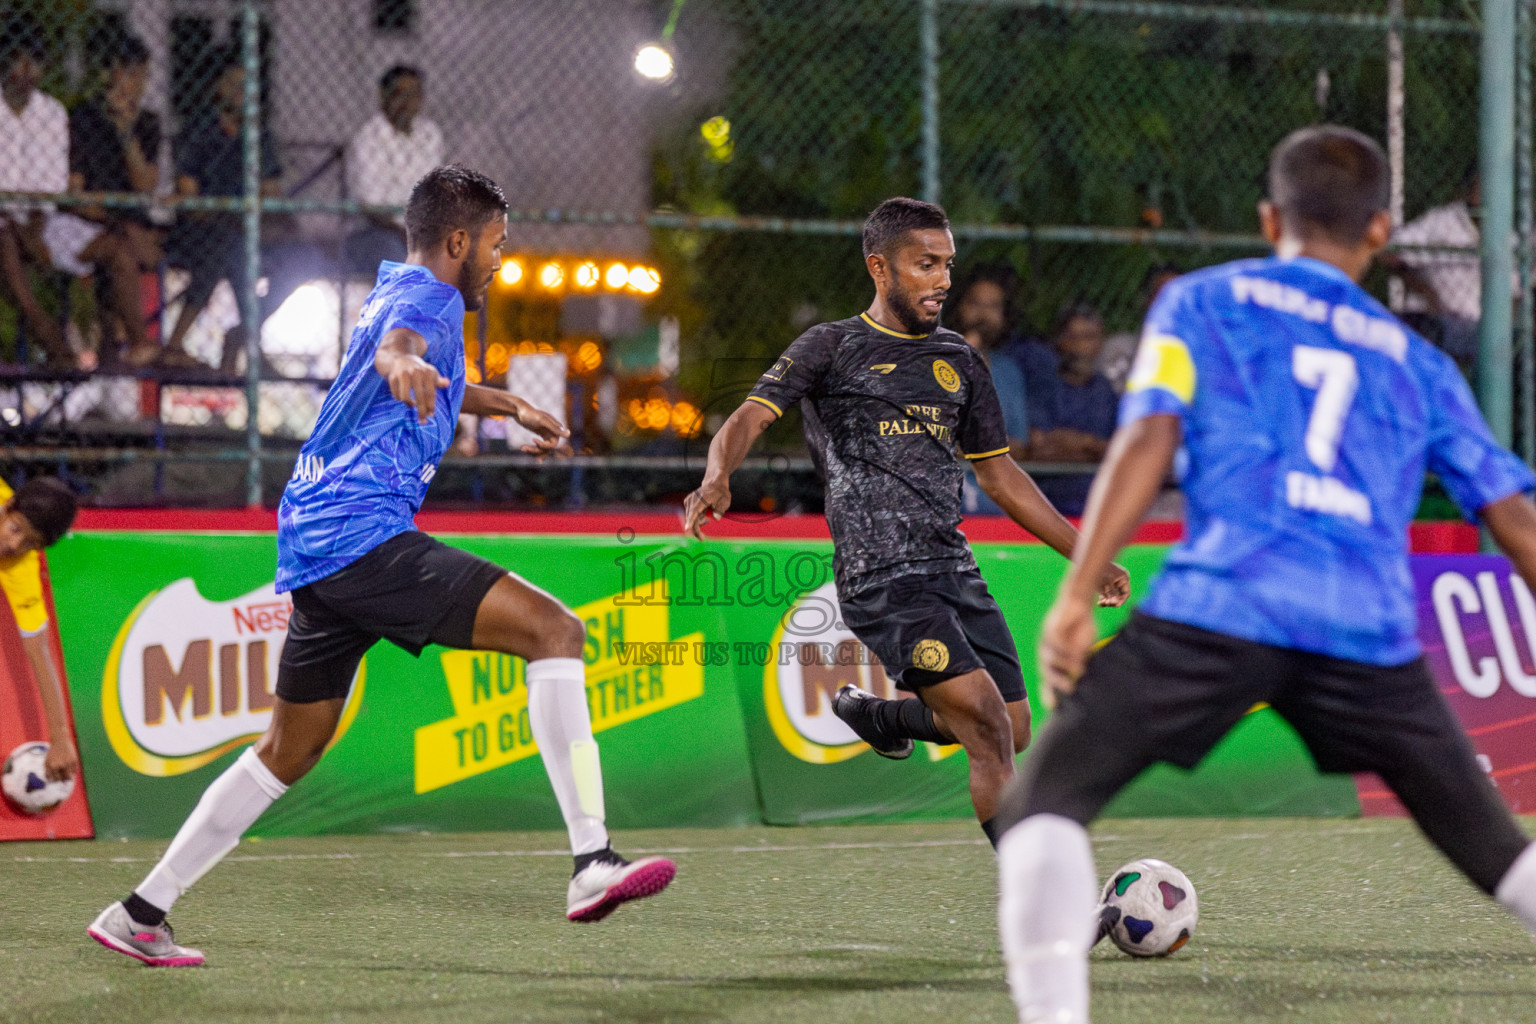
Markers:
point(359, 571)
point(1310, 416)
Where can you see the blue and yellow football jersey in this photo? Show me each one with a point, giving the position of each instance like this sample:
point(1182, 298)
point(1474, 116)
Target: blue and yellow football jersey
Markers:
point(361, 476)
point(1310, 416)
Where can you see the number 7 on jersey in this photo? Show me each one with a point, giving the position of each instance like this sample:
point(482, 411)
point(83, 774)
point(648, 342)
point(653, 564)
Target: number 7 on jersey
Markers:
point(1335, 378)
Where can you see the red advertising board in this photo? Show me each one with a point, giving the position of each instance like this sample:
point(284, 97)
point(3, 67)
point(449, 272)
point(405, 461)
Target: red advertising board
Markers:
point(22, 721)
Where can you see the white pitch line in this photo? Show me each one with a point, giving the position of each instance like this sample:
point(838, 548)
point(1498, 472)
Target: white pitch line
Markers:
point(258, 857)
point(807, 848)
point(915, 844)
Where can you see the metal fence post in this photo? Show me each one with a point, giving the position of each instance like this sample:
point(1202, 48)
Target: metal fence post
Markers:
point(1395, 136)
point(929, 45)
point(1525, 215)
point(250, 305)
point(1496, 154)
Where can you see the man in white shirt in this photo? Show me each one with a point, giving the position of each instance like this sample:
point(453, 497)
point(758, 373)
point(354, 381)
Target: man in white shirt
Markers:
point(1445, 289)
point(34, 157)
point(387, 157)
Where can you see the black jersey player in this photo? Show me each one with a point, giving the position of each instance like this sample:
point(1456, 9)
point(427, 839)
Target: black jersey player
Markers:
point(894, 407)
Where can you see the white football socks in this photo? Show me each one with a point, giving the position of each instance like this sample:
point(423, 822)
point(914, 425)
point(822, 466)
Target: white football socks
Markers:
point(562, 727)
point(1517, 889)
point(229, 806)
point(1045, 913)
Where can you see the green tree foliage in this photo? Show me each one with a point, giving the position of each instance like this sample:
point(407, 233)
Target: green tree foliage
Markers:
point(1047, 117)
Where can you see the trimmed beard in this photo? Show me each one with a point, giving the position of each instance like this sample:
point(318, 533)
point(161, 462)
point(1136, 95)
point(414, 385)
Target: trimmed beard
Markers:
point(912, 318)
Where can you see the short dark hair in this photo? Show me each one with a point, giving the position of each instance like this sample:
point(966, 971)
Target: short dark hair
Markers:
point(889, 223)
point(128, 51)
point(1001, 274)
point(21, 33)
point(449, 198)
point(1330, 178)
point(48, 505)
point(397, 72)
point(1074, 310)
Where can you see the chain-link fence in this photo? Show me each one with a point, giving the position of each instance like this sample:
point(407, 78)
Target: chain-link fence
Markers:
point(229, 173)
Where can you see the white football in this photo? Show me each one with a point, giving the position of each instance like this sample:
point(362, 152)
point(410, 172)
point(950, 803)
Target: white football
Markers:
point(1148, 908)
point(26, 787)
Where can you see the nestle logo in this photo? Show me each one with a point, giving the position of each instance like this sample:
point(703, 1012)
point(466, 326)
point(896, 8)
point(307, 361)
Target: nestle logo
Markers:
point(268, 617)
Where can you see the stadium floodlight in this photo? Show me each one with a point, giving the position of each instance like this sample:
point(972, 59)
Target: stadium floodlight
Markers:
point(654, 62)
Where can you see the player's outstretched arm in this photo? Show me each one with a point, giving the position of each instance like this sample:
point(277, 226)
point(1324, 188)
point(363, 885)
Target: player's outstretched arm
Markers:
point(411, 378)
point(726, 452)
point(63, 761)
point(480, 400)
point(1127, 484)
point(1512, 521)
point(1017, 494)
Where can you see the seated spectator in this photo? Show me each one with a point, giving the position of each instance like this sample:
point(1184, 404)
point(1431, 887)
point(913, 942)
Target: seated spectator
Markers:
point(1120, 349)
point(1080, 415)
point(210, 161)
point(387, 157)
point(34, 157)
point(983, 314)
point(1445, 289)
point(114, 145)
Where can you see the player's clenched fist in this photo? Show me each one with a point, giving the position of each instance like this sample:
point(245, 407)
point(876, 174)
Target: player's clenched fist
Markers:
point(712, 497)
point(415, 381)
point(1114, 587)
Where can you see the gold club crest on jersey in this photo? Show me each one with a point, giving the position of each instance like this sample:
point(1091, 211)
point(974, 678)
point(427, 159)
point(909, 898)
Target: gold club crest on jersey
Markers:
point(948, 379)
point(931, 655)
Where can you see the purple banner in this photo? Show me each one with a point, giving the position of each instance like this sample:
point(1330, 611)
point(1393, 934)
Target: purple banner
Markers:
point(1477, 622)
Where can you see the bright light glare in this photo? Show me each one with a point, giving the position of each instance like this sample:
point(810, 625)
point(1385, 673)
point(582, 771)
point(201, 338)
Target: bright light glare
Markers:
point(654, 62)
point(587, 275)
point(644, 280)
point(551, 275)
point(618, 275)
point(305, 324)
point(588, 357)
point(685, 419)
point(512, 271)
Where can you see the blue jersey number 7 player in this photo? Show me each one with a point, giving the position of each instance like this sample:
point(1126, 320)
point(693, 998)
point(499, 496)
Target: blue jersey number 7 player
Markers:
point(360, 572)
point(1310, 416)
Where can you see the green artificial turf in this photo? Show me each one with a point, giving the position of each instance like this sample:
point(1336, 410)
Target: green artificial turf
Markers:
point(1301, 920)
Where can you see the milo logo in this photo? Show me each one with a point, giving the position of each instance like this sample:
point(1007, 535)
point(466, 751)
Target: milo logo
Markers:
point(815, 654)
point(189, 679)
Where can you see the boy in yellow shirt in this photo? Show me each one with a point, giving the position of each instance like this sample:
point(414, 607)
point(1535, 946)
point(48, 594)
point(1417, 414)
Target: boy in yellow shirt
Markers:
point(32, 519)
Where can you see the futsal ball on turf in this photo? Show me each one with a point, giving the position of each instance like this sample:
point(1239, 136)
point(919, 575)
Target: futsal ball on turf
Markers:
point(1148, 908)
point(25, 784)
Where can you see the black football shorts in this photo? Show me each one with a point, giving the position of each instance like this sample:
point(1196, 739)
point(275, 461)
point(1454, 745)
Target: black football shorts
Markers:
point(411, 590)
point(1166, 691)
point(926, 629)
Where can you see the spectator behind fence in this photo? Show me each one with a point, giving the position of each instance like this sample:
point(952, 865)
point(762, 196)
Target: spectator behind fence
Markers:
point(1120, 348)
point(1445, 289)
point(114, 146)
point(388, 155)
point(1080, 415)
point(34, 157)
point(983, 314)
point(210, 162)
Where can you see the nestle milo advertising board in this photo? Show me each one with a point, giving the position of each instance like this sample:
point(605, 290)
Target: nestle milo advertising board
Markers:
point(710, 671)
point(172, 644)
